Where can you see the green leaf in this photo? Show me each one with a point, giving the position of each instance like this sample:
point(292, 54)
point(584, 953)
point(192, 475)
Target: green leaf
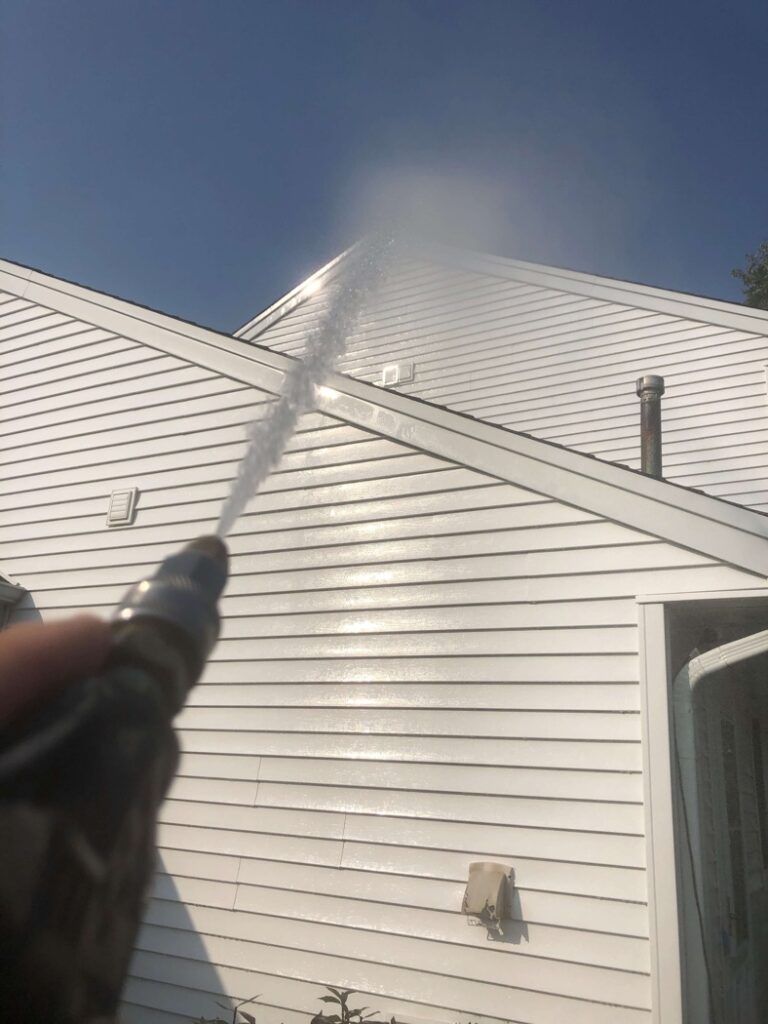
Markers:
point(328, 999)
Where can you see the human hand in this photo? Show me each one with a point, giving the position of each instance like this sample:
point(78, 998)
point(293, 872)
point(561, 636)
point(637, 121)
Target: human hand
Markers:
point(38, 659)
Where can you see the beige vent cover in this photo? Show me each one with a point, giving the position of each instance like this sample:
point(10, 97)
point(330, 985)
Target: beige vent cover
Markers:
point(122, 505)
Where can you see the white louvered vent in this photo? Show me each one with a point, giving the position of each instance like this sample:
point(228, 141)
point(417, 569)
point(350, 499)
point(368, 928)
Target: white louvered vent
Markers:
point(396, 373)
point(122, 505)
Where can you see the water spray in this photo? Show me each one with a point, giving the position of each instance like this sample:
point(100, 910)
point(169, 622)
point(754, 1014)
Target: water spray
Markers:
point(268, 437)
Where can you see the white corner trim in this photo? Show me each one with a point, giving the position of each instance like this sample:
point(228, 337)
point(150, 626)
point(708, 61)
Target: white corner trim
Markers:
point(663, 903)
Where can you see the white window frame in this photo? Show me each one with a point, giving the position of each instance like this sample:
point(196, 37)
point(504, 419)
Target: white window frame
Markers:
point(661, 868)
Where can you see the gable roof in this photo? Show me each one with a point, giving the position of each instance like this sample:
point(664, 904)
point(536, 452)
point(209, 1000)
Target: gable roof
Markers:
point(731, 315)
point(690, 519)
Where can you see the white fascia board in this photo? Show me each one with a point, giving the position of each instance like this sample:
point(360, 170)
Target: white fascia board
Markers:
point(747, 593)
point(728, 533)
point(730, 315)
point(695, 521)
point(258, 324)
point(258, 366)
point(660, 300)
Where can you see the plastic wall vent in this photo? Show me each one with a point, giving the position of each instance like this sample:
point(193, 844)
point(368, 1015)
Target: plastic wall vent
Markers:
point(122, 505)
point(396, 373)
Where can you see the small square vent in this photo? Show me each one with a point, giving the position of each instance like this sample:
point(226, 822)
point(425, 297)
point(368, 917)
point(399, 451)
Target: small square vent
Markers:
point(396, 373)
point(122, 505)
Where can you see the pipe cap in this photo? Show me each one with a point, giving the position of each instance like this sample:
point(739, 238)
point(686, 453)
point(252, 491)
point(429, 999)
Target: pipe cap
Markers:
point(650, 382)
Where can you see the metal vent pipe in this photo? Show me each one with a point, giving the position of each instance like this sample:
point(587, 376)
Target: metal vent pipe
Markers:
point(650, 389)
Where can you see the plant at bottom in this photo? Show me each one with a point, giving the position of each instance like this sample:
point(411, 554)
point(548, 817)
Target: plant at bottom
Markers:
point(247, 1017)
point(340, 998)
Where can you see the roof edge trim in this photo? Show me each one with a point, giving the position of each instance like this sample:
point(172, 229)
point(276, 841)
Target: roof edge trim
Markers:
point(661, 300)
point(285, 305)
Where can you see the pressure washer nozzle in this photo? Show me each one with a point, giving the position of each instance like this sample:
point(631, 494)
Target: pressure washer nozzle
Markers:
point(213, 545)
point(183, 594)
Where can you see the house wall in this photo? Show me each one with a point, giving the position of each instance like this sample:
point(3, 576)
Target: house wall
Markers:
point(562, 366)
point(420, 667)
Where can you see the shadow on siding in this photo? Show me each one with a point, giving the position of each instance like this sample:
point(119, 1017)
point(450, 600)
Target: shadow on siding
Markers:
point(171, 977)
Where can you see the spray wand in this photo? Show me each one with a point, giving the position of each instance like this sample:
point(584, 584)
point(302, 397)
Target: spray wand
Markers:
point(80, 785)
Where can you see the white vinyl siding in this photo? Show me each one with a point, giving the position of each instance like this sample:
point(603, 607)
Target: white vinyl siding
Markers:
point(420, 667)
point(562, 366)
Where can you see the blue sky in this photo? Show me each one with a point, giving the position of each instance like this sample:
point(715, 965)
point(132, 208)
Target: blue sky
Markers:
point(203, 156)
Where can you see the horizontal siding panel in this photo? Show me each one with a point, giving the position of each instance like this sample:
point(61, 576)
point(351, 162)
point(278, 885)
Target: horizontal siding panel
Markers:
point(562, 360)
point(24, 328)
point(191, 864)
point(178, 444)
point(392, 948)
point(511, 616)
point(573, 356)
point(608, 882)
point(559, 844)
point(519, 697)
point(198, 992)
point(82, 351)
point(335, 502)
point(529, 811)
point(605, 755)
point(213, 790)
point(533, 905)
point(196, 891)
point(274, 992)
point(391, 559)
point(274, 821)
point(582, 809)
point(134, 1013)
point(614, 786)
point(543, 975)
point(235, 843)
point(204, 473)
point(216, 454)
point(481, 592)
point(539, 668)
point(513, 528)
point(436, 895)
point(254, 928)
point(562, 725)
point(154, 372)
point(425, 645)
point(214, 412)
point(552, 876)
point(87, 374)
point(562, 330)
point(169, 390)
point(607, 397)
point(55, 350)
point(532, 311)
point(410, 509)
